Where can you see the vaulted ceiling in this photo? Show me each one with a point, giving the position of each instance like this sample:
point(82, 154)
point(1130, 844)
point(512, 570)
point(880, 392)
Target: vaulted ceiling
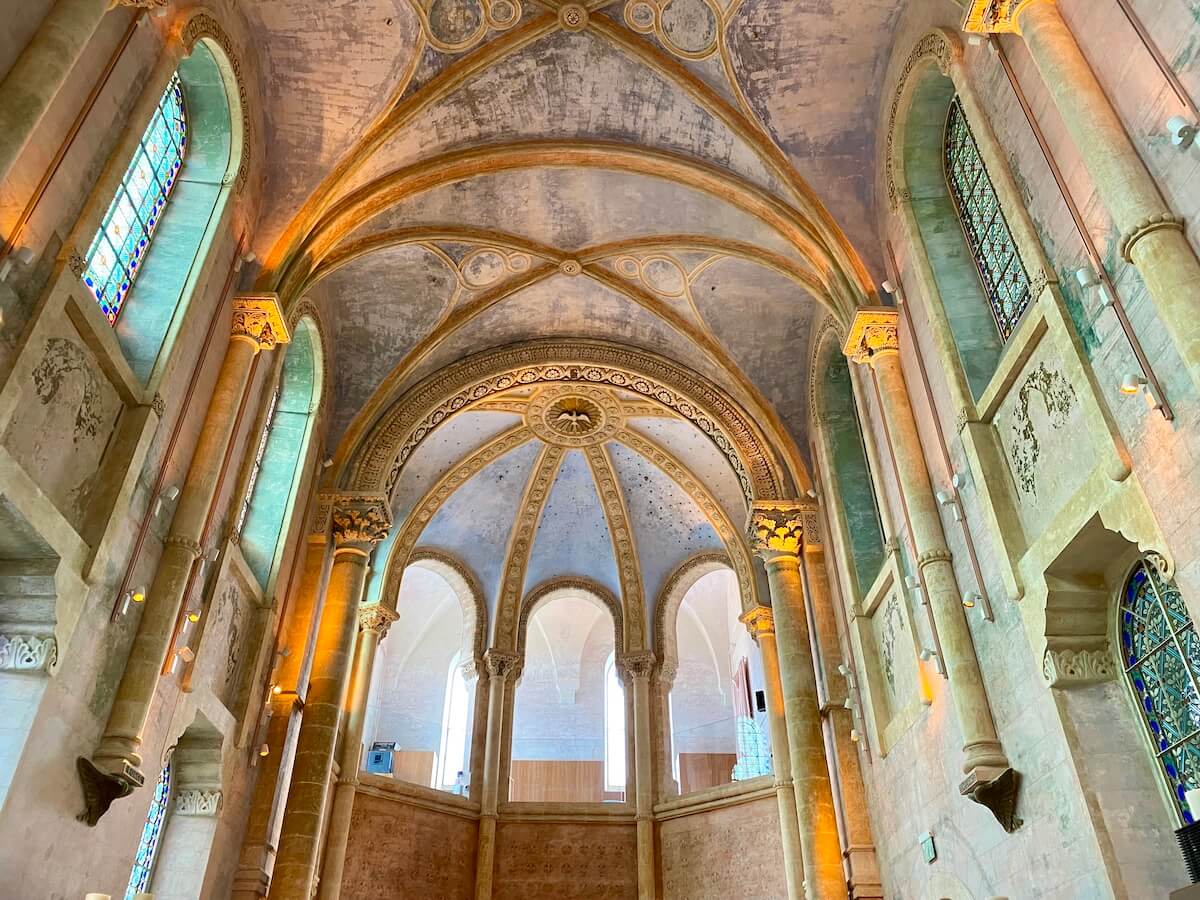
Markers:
point(688, 177)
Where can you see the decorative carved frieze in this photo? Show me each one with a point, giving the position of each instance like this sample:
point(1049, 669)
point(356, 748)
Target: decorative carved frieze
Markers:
point(259, 318)
point(635, 665)
point(621, 533)
point(777, 527)
point(376, 617)
point(874, 332)
point(27, 653)
point(994, 16)
point(1067, 667)
point(140, 4)
point(936, 555)
point(203, 25)
point(1166, 220)
point(573, 416)
point(197, 802)
point(760, 621)
point(360, 519)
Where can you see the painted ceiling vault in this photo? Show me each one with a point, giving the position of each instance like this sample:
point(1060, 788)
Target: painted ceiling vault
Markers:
point(685, 177)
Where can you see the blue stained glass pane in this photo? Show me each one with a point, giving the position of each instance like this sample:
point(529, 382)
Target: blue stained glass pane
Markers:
point(123, 239)
point(156, 817)
point(1162, 671)
point(1000, 268)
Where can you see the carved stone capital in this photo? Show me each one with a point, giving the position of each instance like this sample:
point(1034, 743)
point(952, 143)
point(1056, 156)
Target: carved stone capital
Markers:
point(939, 554)
point(776, 527)
point(27, 652)
point(500, 664)
point(360, 519)
point(1071, 667)
point(140, 4)
point(995, 16)
point(1147, 226)
point(874, 333)
point(258, 318)
point(635, 665)
point(197, 802)
point(376, 617)
point(759, 621)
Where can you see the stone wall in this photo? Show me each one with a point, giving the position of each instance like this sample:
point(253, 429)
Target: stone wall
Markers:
point(562, 860)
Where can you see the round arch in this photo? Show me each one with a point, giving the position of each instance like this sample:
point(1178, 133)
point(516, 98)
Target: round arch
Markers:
point(570, 587)
point(668, 603)
point(470, 600)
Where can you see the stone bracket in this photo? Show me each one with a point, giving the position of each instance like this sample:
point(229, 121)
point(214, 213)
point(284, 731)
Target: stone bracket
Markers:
point(100, 788)
point(996, 789)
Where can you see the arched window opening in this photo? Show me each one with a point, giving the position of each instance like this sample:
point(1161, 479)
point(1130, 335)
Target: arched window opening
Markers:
point(563, 734)
point(718, 724)
point(275, 475)
point(854, 486)
point(997, 261)
point(147, 254)
point(124, 236)
point(422, 700)
point(1161, 658)
point(151, 839)
point(453, 760)
point(614, 728)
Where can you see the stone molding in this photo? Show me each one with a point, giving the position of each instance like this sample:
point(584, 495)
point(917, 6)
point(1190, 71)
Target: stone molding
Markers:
point(573, 415)
point(994, 16)
point(28, 653)
point(875, 332)
point(936, 555)
point(1149, 225)
point(259, 319)
point(360, 519)
point(620, 531)
point(1067, 667)
point(179, 540)
point(777, 528)
point(197, 802)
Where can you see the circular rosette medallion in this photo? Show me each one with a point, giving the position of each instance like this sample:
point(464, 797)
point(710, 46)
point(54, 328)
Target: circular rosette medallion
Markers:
point(573, 416)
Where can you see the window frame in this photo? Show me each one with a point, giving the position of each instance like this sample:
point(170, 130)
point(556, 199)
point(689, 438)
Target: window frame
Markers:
point(614, 753)
point(136, 886)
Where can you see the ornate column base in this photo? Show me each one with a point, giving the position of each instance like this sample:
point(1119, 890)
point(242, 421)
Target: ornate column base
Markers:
point(995, 788)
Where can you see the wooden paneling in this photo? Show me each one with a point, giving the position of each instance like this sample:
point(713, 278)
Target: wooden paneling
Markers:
point(547, 780)
point(415, 766)
point(698, 771)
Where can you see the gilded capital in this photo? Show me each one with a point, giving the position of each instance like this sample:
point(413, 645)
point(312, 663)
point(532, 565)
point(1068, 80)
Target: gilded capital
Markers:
point(258, 318)
point(996, 16)
point(759, 621)
point(360, 519)
point(776, 527)
point(376, 617)
point(873, 333)
point(500, 664)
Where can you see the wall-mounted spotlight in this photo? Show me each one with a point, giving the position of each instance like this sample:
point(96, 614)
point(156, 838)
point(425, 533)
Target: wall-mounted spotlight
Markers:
point(1182, 132)
point(1137, 384)
point(888, 287)
point(933, 656)
point(912, 582)
point(811, 493)
point(23, 255)
point(1088, 279)
point(327, 462)
point(971, 598)
point(848, 704)
point(950, 499)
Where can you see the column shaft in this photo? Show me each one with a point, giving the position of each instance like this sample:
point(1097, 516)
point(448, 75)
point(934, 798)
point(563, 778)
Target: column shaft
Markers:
point(820, 850)
point(40, 71)
point(761, 623)
point(373, 622)
point(499, 665)
point(1153, 238)
point(980, 745)
point(296, 861)
point(637, 669)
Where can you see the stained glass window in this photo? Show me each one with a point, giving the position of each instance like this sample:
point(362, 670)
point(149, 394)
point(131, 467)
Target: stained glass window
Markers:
point(143, 862)
point(119, 248)
point(256, 469)
point(1161, 657)
point(1000, 268)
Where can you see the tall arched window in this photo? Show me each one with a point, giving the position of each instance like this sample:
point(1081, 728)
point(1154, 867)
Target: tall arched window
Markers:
point(124, 237)
point(997, 261)
point(271, 489)
point(152, 832)
point(614, 728)
point(1161, 657)
point(165, 213)
point(453, 766)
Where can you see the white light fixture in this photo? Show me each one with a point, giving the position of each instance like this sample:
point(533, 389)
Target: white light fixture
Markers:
point(1183, 132)
point(843, 671)
point(327, 462)
point(171, 493)
point(193, 615)
point(186, 654)
point(975, 40)
point(960, 480)
point(854, 735)
point(1086, 277)
point(812, 493)
point(927, 654)
point(848, 704)
point(888, 287)
point(264, 750)
point(912, 582)
point(971, 598)
point(213, 554)
point(1137, 384)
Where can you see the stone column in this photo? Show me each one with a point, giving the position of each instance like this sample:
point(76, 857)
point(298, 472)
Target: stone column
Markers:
point(874, 340)
point(760, 622)
point(1152, 236)
point(40, 71)
point(115, 768)
point(283, 722)
point(776, 534)
point(500, 667)
point(635, 670)
point(374, 621)
point(359, 522)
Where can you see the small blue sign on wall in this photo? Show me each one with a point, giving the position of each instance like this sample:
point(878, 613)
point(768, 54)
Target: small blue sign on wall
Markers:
point(379, 758)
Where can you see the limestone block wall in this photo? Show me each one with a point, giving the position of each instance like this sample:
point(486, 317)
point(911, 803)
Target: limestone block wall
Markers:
point(1091, 828)
point(565, 860)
